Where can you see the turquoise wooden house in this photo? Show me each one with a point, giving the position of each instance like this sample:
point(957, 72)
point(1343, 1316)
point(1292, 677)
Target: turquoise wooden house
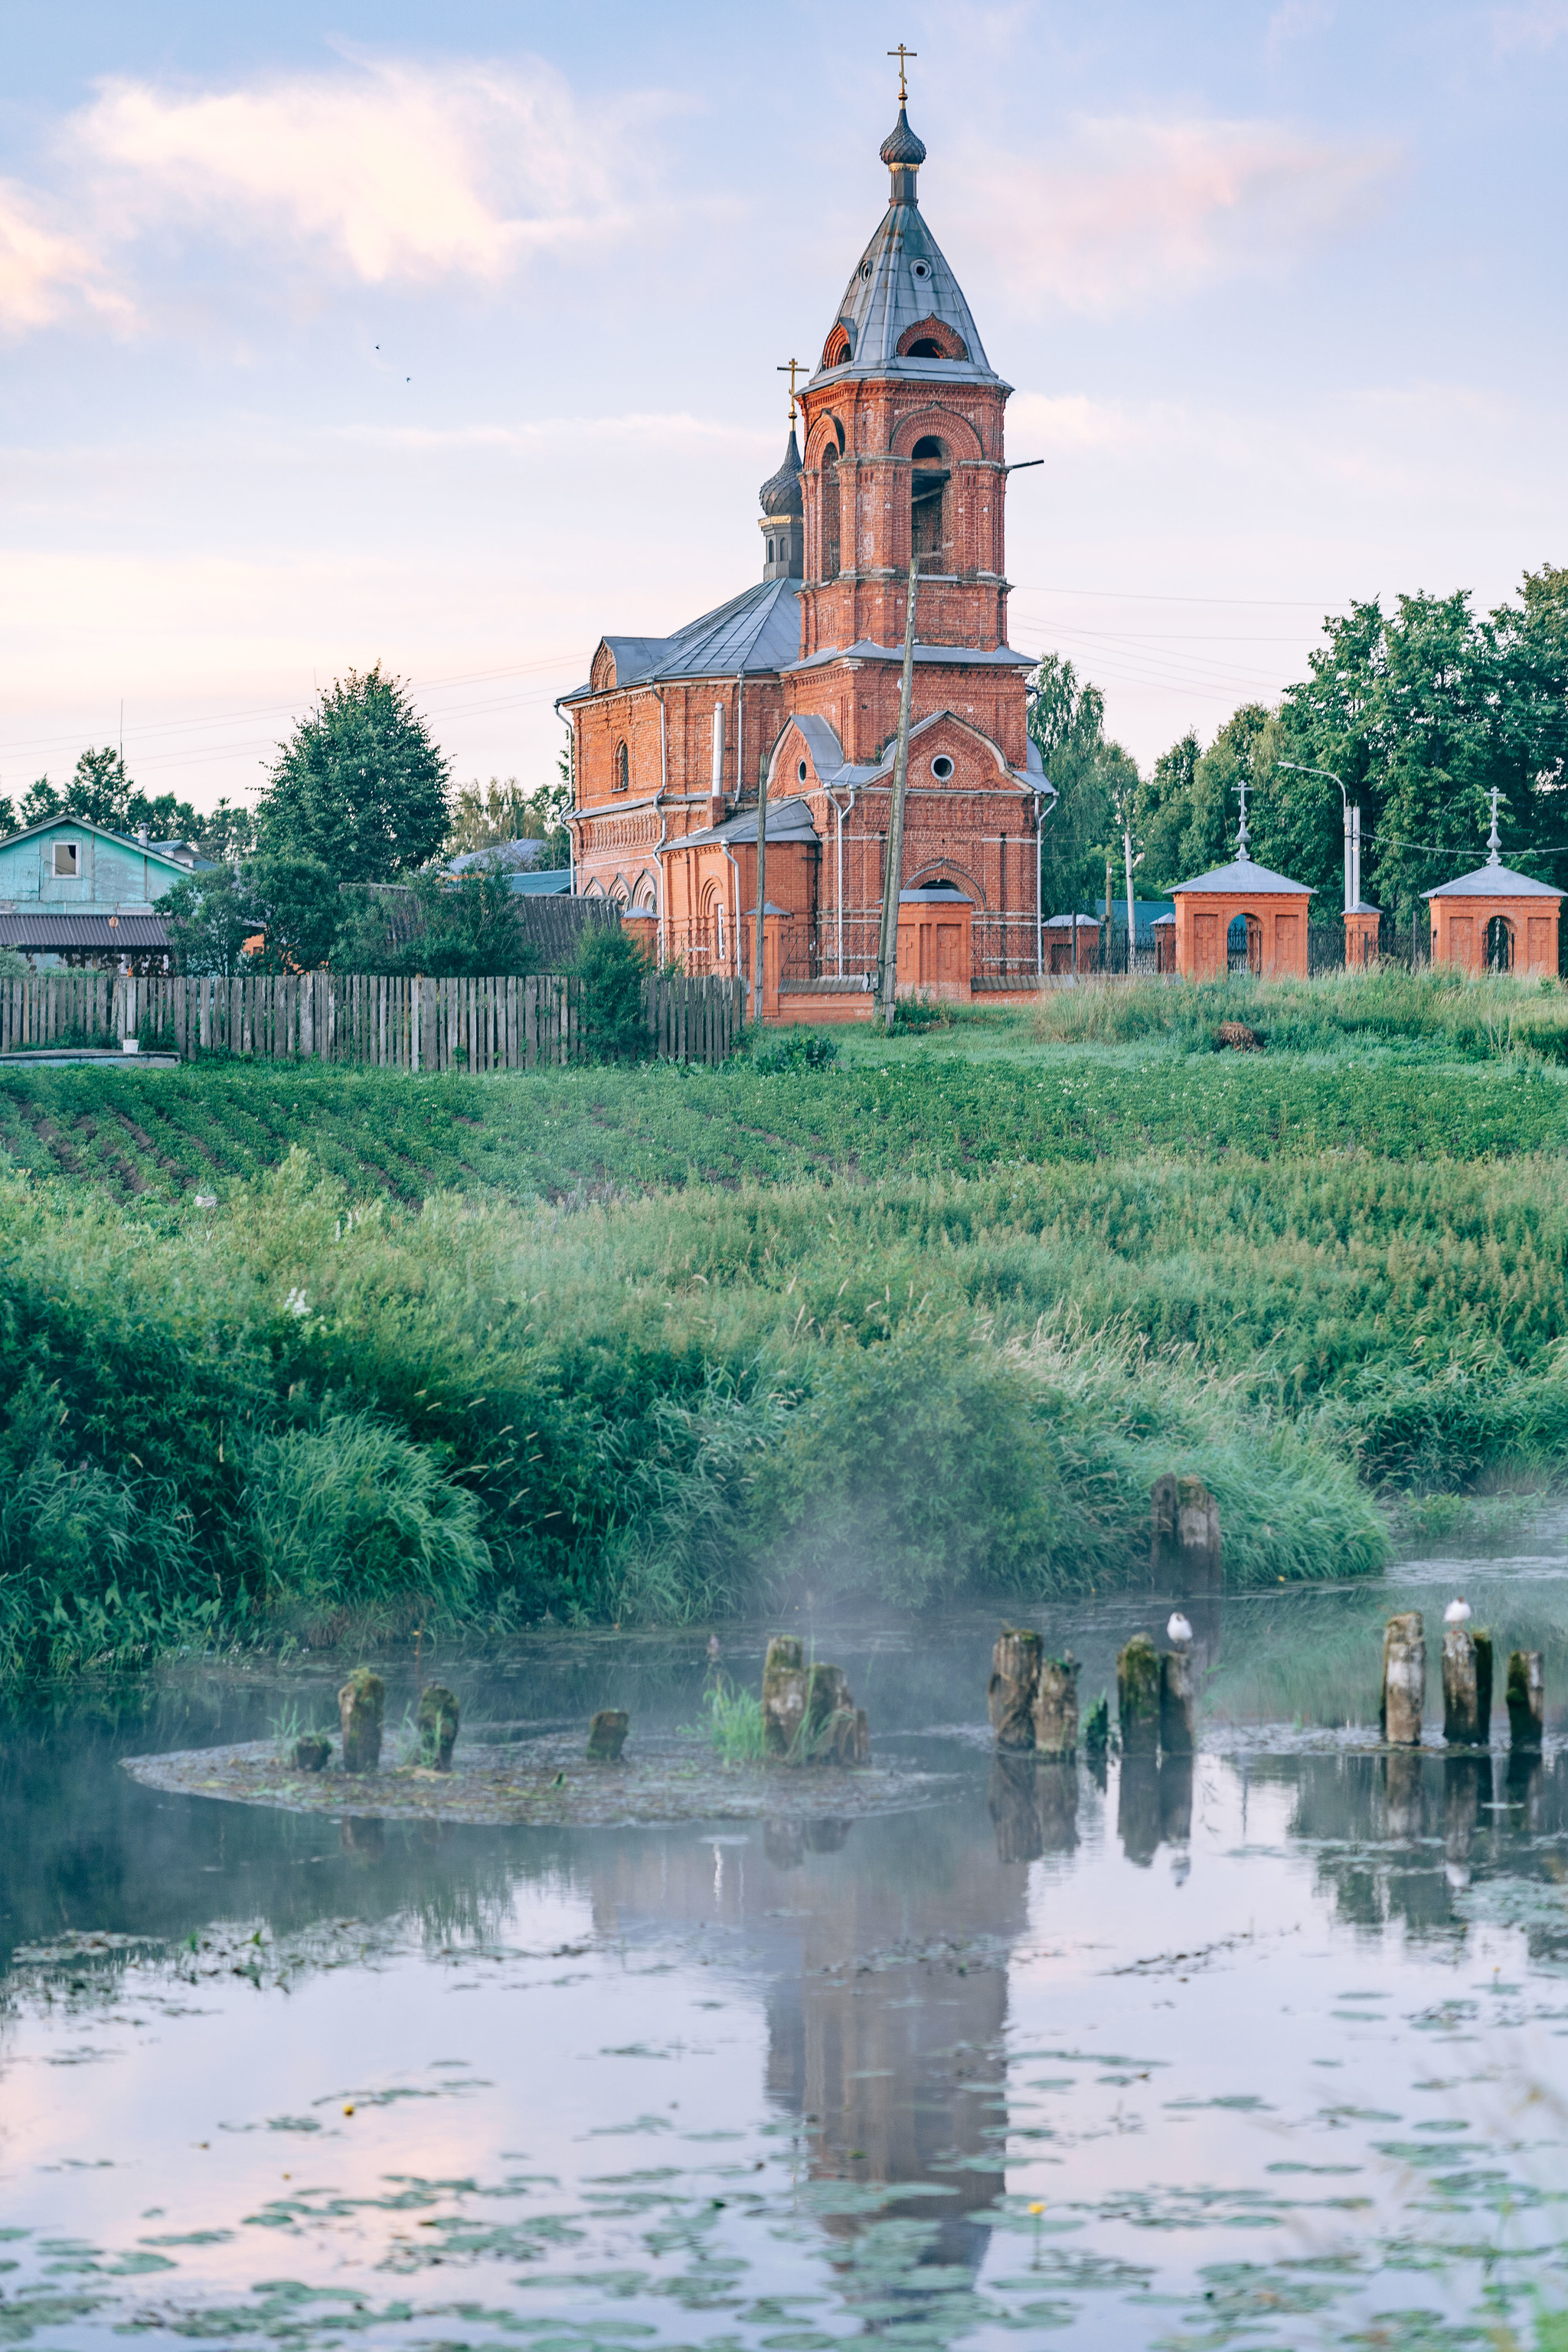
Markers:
point(73, 893)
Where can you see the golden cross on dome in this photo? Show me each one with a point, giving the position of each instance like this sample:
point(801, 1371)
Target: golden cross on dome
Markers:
point(793, 368)
point(902, 55)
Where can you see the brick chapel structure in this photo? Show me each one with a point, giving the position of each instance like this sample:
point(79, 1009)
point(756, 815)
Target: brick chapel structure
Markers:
point(797, 679)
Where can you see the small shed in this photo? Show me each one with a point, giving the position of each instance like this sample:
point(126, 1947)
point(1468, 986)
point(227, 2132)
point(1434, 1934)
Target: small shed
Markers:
point(1242, 918)
point(1362, 927)
point(1496, 920)
point(1163, 931)
point(1072, 944)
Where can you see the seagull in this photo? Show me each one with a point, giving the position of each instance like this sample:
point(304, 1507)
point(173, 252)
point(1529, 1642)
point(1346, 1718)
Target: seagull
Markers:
point(713, 1645)
point(1178, 1629)
point(1457, 1612)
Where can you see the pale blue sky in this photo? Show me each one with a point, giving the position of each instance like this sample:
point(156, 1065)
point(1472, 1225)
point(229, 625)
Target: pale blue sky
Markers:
point(447, 336)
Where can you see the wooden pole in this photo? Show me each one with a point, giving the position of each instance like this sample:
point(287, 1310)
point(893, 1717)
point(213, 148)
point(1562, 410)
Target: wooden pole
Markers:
point(762, 891)
point(1404, 1678)
point(887, 959)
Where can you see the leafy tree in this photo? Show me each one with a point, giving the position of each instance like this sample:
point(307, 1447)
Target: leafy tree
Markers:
point(300, 912)
point(463, 927)
point(359, 786)
point(485, 819)
point(209, 916)
point(1067, 721)
point(100, 792)
point(612, 967)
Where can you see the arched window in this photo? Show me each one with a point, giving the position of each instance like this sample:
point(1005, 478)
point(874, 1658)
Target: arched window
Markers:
point(1244, 944)
point(1499, 944)
point(714, 920)
point(769, 551)
point(931, 511)
point(623, 774)
point(830, 513)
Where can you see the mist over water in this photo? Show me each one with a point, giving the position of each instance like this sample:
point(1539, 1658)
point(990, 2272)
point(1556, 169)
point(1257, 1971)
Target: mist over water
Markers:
point(1267, 2046)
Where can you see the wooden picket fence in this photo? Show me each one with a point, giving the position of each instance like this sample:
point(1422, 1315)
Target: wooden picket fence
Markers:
point(362, 1019)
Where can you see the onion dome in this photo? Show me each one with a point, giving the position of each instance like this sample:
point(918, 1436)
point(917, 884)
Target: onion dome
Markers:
point(780, 494)
point(900, 146)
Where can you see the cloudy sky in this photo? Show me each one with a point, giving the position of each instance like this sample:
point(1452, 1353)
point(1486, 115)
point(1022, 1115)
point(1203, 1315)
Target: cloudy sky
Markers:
point(447, 337)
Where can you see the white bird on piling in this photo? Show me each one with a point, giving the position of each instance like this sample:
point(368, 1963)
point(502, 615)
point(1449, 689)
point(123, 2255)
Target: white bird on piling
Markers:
point(1457, 1611)
point(1178, 1629)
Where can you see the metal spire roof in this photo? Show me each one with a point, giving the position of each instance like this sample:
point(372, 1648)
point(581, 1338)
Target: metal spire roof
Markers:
point(902, 279)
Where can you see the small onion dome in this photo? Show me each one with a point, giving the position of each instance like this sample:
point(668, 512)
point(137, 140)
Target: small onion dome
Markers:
point(901, 146)
point(780, 494)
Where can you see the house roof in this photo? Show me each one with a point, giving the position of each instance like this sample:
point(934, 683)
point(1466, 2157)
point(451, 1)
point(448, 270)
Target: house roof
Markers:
point(1494, 882)
point(507, 854)
point(162, 852)
point(54, 933)
point(1244, 879)
point(542, 882)
point(903, 279)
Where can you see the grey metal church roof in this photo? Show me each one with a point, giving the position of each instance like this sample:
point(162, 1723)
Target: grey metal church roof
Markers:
point(1494, 882)
point(901, 278)
point(758, 630)
point(787, 821)
point(1243, 877)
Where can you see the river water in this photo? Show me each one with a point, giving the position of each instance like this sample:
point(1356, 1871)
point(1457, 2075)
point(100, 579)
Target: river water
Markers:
point(1271, 2049)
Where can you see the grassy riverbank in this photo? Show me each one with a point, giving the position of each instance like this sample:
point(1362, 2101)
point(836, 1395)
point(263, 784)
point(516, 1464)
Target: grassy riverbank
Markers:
point(662, 1344)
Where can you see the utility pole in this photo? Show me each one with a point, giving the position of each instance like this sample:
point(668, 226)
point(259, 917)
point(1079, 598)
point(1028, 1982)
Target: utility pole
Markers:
point(762, 890)
point(887, 959)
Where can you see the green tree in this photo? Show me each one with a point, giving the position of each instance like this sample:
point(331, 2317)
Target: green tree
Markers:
point(360, 785)
point(300, 912)
point(485, 818)
point(450, 925)
point(612, 969)
point(1067, 722)
point(209, 915)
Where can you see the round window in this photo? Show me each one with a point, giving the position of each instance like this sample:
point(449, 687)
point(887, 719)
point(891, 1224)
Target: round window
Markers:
point(941, 768)
point(800, 771)
point(921, 270)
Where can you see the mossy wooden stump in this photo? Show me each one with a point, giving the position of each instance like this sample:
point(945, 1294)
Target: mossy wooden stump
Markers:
point(437, 1727)
point(312, 1751)
point(1055, 1712)
point(607, 1735)
point(1184, 1555)
point(1403, 1679)
point(361, 1710)
point(1526, 1698)
point(783, 1696)
point(1138, 1681)
point(836, 1729)
point(1467, 1687)
point(1010, 1694)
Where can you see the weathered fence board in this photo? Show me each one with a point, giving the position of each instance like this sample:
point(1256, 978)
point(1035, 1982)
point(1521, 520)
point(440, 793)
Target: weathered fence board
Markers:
point(427, 1025)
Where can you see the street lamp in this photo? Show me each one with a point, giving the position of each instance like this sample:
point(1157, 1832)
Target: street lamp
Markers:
point(1353, 828)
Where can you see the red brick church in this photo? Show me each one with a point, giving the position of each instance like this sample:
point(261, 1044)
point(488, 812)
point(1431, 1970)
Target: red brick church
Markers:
point(797, 679)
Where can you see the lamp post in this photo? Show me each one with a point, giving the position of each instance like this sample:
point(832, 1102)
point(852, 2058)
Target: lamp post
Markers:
point(1352, 827)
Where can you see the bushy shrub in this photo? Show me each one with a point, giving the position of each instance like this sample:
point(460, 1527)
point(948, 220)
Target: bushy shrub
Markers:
point(612, 1024)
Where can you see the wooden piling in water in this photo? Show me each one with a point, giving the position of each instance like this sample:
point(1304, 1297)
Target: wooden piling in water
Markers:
point(784, 1695)
point(1464, 1724)
point(607, 1735)
point(1184, 1555)
point(1010, 1694)
point(1138, 1695)
point(1054, 1714)
point(1403, 1679)
point(1176, 1703)
point(1526, 1697)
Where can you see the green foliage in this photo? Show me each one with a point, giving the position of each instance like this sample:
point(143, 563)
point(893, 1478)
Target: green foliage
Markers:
point(459, 927)
point(612, 966)
point(734, 1722)
point(773, 1052)
point(1419, 711)
point(1067, 722)
point(298, 910)
point(360, 786)
point(484, 818)
point(348, 1516)
point(209, 916)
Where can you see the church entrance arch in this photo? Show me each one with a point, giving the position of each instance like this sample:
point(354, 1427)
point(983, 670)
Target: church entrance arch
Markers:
point(1244, 945)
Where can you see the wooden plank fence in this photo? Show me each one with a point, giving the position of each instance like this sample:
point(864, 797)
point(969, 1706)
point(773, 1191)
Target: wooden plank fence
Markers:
point(359, 1018)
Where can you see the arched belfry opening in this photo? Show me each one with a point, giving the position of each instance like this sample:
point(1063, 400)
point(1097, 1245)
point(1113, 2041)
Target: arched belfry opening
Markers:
point(931, 504)
point(829, 504)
